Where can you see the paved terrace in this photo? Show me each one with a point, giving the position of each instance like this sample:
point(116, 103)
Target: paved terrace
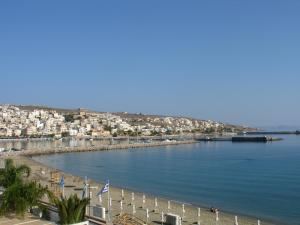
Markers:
point(28, 220)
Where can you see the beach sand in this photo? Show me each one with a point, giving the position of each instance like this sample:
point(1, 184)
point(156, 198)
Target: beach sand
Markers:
point(74, 184)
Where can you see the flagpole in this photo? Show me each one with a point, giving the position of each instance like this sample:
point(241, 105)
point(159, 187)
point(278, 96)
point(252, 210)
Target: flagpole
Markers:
point(100, 199)
point(84, 190)
point(90, 200)
point(108, 207)
point(62, 185)
point(105, 189)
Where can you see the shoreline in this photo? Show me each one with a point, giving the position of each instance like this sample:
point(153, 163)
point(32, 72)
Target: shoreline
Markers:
point(176, 206)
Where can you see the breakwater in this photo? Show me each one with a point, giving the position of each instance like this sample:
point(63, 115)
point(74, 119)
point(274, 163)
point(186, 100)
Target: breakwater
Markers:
point(241, 139)
point(253, 139)
point(297, 132)
point(32, 152)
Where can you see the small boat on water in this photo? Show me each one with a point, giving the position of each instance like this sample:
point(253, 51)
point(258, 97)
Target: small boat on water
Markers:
point(169, 140)
point(204, 139)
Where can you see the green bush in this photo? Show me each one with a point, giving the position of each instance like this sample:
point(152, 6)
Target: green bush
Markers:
point(19, 196)
point(70, 210)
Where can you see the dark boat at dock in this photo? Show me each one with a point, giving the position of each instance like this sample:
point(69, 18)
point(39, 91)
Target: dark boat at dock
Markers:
point(251, 139)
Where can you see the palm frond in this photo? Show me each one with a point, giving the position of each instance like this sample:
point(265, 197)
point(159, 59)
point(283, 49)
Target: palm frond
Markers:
point(23, 170)
point(70, 210)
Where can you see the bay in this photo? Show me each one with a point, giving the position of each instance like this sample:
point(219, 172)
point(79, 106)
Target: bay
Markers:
point(254, 179)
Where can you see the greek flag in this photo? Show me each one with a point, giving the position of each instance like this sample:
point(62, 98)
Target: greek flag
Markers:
point(62, 182)
point(104, 189)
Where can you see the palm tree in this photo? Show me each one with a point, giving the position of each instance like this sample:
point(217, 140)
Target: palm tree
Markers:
point(12, 174)
point(70, 210)
point(35, 193)
point(20, 196)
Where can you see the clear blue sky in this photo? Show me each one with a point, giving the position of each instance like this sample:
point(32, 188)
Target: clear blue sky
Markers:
point(233, 61)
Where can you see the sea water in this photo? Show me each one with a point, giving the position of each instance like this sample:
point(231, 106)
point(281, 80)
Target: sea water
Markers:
point(255, 179)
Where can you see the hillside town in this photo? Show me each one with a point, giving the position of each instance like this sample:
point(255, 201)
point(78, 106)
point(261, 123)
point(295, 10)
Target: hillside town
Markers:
point(17, 121)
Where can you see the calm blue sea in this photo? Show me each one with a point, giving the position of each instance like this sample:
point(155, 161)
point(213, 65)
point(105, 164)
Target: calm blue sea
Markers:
point(255, 179)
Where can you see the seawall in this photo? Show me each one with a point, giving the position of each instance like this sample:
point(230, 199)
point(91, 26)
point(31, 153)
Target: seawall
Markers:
point(32, 152)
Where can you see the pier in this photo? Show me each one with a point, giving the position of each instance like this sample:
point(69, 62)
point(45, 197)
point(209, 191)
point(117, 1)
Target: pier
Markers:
point(240, 139)
point(297, 132)
point(251, 139)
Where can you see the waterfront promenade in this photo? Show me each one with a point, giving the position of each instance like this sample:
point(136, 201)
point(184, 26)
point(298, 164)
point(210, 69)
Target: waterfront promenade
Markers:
point(28, 220)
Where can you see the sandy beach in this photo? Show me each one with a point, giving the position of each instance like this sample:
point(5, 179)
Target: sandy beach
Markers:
point(74, 184)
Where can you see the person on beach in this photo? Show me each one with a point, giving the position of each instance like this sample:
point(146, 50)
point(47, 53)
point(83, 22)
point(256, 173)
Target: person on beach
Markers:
point(214, 210)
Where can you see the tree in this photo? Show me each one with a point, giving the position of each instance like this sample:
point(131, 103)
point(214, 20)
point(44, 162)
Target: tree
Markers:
point(20, 196)
point(69, 118)
point(12, 174)
point(35, 192)
point(154, 133)
point(107, 128)
point(169, 132)
point(65, 134)
point(209, 130)
point(70, 210)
